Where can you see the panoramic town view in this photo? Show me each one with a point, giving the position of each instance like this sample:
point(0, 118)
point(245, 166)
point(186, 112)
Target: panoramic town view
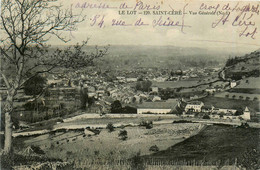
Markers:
point(122, 106)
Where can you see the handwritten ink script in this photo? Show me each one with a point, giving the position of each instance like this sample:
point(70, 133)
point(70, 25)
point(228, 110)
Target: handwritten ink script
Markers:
point(243, 17)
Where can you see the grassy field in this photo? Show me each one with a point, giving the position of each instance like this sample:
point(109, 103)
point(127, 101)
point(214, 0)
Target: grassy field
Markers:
point(77, 145)
point(175, 84)
point(237, 95)
point(220, 102)
point(217, 143)
point(251, 82)
point(213, 147)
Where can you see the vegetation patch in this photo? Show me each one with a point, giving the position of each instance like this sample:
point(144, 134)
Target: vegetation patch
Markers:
point(220, 102)
point(213, 144)
point(182, 121)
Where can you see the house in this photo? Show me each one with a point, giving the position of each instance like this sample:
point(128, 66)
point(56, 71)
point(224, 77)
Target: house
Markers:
point(207, 108)
point(231, 117)
point(194, 106)
point(91, 88)
point(224, 111)
point(100, 91)
point(155, 89)
point(156, 98)
point(161, 107)
point(131, 79)
point(214, 116)
point(246, 114)
point(194, 97)
point(210, 90)
point(233, 84)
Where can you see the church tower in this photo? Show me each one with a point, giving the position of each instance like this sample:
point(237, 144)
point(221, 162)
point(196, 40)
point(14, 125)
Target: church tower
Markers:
point(246, 114)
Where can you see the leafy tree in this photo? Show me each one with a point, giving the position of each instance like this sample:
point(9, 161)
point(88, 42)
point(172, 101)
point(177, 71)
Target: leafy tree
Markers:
point(147, 124)
point(206, 117)
point(91, 101)
point(143, 85)
point(129, 109)
point(154, 148)
point(110, 127)
point(122, 134)
point(116, 107)
point(26, 27)
point(239, 112)
point(83, 97)
point(35, 85)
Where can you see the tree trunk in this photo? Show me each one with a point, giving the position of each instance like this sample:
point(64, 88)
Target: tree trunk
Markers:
point(8, 109)
point(8, 133)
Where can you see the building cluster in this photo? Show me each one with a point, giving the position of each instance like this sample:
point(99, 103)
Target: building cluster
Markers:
point(225, 113)
point(191, 109)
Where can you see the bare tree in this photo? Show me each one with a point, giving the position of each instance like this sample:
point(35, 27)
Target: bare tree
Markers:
point(26, 27)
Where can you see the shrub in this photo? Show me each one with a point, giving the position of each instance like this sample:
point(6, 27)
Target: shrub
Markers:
point(96, 153)
point(122, 134)
point(147, 124)
point(206, 117)
point(95, 131)
point(154, 148)
point(244, 125)
point(7, 161)
point(110, 127)
point(182, 121)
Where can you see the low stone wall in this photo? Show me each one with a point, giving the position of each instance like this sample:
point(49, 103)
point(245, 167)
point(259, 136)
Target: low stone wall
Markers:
point(94, 115)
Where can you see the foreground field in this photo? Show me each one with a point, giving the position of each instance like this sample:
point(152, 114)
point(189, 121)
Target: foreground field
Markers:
point(179, 146)
point(72, 145)
point(217, 144)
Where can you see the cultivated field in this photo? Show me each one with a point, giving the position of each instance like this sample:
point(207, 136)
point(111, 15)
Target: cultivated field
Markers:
point(241, 96)
point(220, 102)
point(80, 145)
point(175, 84)
point(251, 82)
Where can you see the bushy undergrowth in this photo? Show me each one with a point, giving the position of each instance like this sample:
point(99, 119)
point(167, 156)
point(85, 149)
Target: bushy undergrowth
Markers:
point(123, 134)
point(10, 160)
point(154, 148)
point(110, 127)
point(182, 121)
point(147, 124)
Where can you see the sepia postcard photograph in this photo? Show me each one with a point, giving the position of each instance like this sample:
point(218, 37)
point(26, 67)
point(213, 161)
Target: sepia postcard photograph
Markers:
point(130, 85)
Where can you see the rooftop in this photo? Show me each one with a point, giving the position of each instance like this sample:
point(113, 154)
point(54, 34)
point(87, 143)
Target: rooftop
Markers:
point(195, 103)
point(159, 105)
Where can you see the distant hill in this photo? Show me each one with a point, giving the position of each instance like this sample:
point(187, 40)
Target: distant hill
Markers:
point(246, 66)
point(171, 57)
point(127, 57)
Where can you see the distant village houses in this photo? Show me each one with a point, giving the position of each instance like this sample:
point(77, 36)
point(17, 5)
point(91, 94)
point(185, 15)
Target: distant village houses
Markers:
point(233, 84)
point(160, 107)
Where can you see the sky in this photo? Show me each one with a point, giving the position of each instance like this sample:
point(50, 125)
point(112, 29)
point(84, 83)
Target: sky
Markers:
point(199, 30)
